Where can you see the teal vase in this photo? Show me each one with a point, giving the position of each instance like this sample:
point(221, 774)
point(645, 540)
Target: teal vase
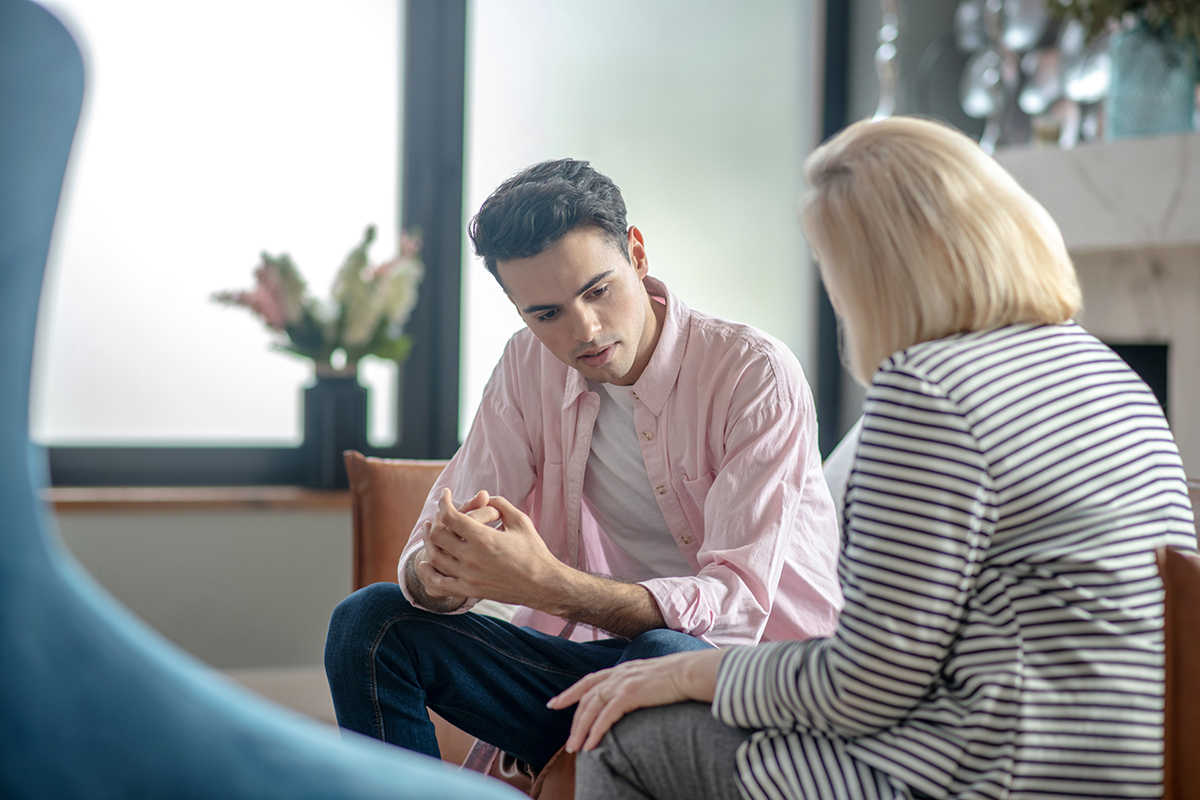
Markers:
point(1153, 89)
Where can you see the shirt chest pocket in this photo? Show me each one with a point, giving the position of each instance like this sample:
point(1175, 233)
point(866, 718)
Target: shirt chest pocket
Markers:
point(692, 494)
point(551, 510)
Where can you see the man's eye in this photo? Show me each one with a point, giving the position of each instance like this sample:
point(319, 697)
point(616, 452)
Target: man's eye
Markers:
point(599, 290)
point(549, 315)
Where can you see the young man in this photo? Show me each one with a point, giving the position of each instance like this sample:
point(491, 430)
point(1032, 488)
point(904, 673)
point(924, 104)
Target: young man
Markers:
point(635, 469)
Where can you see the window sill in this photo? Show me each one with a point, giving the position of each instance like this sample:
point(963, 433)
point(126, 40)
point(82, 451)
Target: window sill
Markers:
point(89, 499)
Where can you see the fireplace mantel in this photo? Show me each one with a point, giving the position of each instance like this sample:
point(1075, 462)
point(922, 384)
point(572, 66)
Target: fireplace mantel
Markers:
point(1128, 195)
point(1130, 214)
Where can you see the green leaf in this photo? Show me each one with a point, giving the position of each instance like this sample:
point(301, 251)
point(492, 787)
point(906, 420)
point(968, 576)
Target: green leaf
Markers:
point(396, 349)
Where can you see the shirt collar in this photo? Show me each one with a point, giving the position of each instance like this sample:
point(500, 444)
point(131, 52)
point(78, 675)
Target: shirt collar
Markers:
point(657, 380)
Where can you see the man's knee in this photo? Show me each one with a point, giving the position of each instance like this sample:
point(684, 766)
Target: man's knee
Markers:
point(357, 621)
point(661, 642)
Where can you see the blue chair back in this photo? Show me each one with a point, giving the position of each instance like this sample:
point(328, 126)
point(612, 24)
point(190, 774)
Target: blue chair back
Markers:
point(93, 703)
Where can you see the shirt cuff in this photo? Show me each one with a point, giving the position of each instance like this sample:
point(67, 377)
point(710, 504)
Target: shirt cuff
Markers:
point(681, 607)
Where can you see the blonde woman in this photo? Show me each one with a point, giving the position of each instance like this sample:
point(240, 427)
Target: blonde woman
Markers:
point(1002, 634)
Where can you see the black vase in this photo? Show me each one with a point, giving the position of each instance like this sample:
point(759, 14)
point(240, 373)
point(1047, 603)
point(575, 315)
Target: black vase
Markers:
point(335, 420)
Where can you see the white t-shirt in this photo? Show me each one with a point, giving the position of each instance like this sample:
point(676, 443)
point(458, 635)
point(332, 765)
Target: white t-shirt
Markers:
point(638, 545)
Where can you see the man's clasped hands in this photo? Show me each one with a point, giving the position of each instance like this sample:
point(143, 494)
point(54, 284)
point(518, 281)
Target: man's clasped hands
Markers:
point(489, 548)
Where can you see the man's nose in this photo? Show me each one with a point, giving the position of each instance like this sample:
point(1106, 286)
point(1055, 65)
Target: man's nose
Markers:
point(586, 325)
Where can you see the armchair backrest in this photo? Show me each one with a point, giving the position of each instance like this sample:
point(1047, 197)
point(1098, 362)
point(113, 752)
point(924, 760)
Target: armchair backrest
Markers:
point(386, 496)
point(1180, 574)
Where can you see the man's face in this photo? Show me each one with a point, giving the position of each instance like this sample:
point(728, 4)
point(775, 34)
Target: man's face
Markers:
point(586, 303)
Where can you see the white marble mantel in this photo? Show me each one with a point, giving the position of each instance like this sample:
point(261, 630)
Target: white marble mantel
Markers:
point(1133, 194)
point(1130, 214)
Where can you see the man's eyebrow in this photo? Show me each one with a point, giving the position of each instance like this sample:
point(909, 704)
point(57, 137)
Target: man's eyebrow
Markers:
point(582, 290)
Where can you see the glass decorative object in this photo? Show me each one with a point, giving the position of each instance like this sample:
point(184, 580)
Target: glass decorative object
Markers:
point(1153, 89)
point(885, 58)
point(1001, 38)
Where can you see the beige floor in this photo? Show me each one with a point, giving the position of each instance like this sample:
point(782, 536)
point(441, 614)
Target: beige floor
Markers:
point(300, 688)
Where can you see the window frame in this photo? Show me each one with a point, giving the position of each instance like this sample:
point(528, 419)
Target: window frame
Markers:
point(835, 116)
point(431, 191)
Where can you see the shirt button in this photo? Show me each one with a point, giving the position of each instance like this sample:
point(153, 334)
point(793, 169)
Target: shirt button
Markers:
point(661, 489)
point(648, 434)
point(633, 395)
point(685, 539)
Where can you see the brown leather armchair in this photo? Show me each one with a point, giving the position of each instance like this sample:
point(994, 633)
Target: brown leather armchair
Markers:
point(1181, 630)
point(387, 496)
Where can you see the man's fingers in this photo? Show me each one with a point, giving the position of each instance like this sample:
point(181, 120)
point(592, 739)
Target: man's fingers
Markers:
point(446, 509)
point(471, 526)
point(505, 508)
point(480, 500)
point(483, 509)
point(442, 561)
point(448, 514)
point(435, 582)
point(510, 515)
point(485, 515)
point(443, 539)
point(478, 509)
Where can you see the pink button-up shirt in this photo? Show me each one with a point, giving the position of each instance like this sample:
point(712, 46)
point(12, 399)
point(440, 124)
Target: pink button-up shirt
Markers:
point(728, 434)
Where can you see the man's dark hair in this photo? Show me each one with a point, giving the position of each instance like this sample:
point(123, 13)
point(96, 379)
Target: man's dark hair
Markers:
point(535, 208)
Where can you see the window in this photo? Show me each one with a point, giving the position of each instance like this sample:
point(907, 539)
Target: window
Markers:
point(211, 133)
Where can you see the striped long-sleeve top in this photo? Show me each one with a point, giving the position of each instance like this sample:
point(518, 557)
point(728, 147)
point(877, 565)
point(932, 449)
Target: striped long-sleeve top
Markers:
point(1002, 633)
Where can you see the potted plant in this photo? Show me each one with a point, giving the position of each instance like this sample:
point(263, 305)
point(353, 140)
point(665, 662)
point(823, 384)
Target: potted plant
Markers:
point(365, 316)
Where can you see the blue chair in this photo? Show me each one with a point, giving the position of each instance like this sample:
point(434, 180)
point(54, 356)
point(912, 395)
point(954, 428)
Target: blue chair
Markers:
point(94, 704)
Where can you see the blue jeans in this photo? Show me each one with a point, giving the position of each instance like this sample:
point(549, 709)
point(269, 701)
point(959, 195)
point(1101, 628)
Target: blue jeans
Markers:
point(387, 661)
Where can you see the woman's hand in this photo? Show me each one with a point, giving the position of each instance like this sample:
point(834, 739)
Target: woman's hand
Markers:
point(606, 696)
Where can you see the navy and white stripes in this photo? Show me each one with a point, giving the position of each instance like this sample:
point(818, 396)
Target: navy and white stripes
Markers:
point(1002, 634)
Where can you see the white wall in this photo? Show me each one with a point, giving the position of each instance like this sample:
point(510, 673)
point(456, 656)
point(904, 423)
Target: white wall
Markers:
point(702, 111)
point(238, 589)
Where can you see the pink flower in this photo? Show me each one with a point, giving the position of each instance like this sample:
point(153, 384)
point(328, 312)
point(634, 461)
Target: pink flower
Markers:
point(410, 246)
point(366, 316)
point(267, 300)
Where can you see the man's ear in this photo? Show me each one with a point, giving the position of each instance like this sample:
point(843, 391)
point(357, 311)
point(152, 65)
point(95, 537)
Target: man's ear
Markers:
point(637, 252)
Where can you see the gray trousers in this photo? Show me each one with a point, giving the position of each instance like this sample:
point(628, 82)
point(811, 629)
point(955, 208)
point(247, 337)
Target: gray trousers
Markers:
point(680, 752)
point(667, 752)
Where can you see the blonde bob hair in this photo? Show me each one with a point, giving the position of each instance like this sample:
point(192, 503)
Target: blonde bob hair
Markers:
point(919, 235)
